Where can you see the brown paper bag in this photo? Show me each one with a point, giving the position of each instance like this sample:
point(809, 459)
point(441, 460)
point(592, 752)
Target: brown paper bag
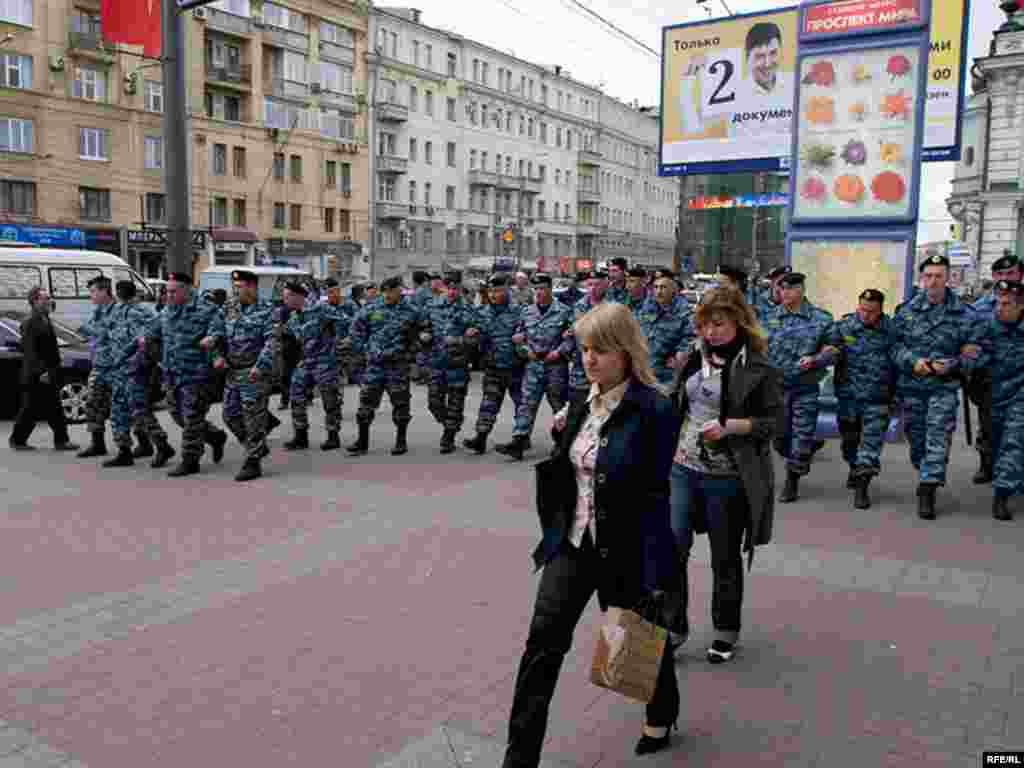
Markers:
point(627, 654)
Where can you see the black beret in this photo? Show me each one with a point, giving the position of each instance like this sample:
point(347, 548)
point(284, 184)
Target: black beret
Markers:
point(872, 294)
point(1013, 286)
point(435, 276)
point(125, 289)
point(453, 278)
point(734, 272)
point(637, 272)
point(390, 283)
point(793, 278)
point(582, 277)
point(664, 273)
point(498, 281)
point(331, 282)
point(618, 261)
point(540, 279)
point(180, 277)
point(1006, 262)
point(779, 272)
point(599, 274)
point(296, 287)
point(419, 276)
point(935, 260)
point(100, 281)
point(244, 276)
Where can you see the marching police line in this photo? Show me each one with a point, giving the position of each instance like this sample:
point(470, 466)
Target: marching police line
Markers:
point(915, 361)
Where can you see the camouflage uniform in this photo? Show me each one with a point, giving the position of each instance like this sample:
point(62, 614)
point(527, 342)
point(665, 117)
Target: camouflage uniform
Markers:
point(104, 364)
point(932, 331)
point(186, 368)
point(314, 327)
point(577, 376)
point(449, 360)
point(865, 387)
point(248, 344)
point(421, 301)
point(980, 389)
point(503, 365)
point(544, 331)
point(1005, 347)
point(520, 296)
point(668, 330)
point(791, 336)
point(617, 294)
point(126, 322)
point(386, 334)
point(342, 345)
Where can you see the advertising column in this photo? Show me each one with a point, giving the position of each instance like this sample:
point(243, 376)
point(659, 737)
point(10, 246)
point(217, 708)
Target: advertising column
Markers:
point(862, 85)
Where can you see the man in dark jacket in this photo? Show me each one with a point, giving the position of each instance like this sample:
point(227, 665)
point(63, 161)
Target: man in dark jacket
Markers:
point(40, 378)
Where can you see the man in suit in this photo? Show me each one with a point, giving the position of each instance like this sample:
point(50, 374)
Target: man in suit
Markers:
point(40, 378)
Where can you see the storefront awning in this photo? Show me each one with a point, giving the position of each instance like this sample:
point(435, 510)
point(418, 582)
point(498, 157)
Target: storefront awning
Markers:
point(233, 235)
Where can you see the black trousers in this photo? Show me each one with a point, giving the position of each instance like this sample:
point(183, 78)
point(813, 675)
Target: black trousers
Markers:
point(566, 586)
point(39, 402)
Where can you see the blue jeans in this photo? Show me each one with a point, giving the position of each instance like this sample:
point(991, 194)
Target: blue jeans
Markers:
point(716, 505)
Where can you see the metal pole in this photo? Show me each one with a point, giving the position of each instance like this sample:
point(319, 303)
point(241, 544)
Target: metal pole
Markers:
point(175, 129)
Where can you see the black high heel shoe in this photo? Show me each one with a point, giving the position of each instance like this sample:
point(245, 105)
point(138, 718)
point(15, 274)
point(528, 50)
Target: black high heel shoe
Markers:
point(651, 744)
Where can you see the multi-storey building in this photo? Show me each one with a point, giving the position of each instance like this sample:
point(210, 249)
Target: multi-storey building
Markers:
point(278, 159)
point(483, 160)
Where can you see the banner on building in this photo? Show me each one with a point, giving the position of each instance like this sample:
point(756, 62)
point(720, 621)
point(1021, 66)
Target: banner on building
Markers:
point(710, 202)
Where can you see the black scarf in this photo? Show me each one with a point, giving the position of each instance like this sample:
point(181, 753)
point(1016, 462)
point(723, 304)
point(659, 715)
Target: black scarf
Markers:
point(728, 353)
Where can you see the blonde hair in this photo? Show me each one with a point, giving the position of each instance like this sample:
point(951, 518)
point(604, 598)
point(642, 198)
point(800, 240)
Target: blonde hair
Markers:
point(612, 328)
point(728, 301)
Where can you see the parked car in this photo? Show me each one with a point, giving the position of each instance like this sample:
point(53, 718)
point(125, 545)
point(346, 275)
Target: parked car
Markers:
point(828, 414)
point(76, 363)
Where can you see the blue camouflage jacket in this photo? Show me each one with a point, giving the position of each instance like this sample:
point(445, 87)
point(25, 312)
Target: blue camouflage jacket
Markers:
point(180, 329)
point(545, 330)
point(864, 369)
point(578, 376)
point(449, 322)
point(422, 298)
point(617, 295)
point(249, 336)
point(387, 333)
point(498, 323)
point(985, 307)
point(793, 335)
point(97, 331)
point(314, 328)
point(126, 322)
point(933, 331)
point(668, 330)
point(1003, 347)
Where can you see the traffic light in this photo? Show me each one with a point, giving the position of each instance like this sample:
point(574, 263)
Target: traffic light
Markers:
point(955, 231)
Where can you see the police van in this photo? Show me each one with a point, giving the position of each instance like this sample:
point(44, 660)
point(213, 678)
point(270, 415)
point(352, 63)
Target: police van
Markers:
point(65, 274)
point(270, 280)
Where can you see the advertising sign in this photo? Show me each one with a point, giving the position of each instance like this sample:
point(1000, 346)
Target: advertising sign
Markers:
point(766, 200)
point(58, 237)
point(849, 17)
point(744, 129)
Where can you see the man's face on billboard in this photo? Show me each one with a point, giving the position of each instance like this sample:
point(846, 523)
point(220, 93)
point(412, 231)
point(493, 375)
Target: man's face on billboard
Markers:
point(763, 63)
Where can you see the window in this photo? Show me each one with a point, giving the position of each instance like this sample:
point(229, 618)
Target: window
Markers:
point(153, 96)
point(386, 189)
point(15, 69)
point(452, 65)
point(483, 115)
point(220, 106)
point(296, 170)
point(346, 178)
point(472, 159)
point(90, 84)
point(558, 137)
point(522, 125)
point(92, 144)
point(278, 16)
point(18, 197)
point(449, 240)
point(969, 157)
point(428, 239)
point(16, 135)
point(94, 204)
point(278, 215)
point(508, 122)
point(413, 154)
point(219, 164)
point(413, 241)
point(557, 208)
point(544, 133)
point(295, 217)
point(428, 152)
point(428, 103)
point(331, 175)
point(328, 219)
point(279, 166)
point(238, 161)
point(451, 154)
point(239, 212)
point(237, 7)
point(335, 78)
point(416, 52)
point(508, 165)
point(485, 74)
point(544, 94)
point(332, 33)
point(219, 212)
point(483, 160)
point(497, 163)
point(449, 198)
point(568, 139)
point(476, 70)
point(154, 153)
point(277, 114)
point(343, 221)
point(522, 166)
point(16, 12)
point(430, 56)
point(414, 98)
point(451, 109)
point(155, 208)
point(426, 193)
point(336, 124)
point(412, 192)
point(541, 209)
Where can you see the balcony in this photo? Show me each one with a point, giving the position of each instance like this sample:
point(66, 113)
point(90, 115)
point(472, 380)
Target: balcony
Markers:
point(590, 158)
point(392, 164)
point(286, 38)
point(588, 196)
point(482, 178)
point(338, 53)
point(587, 229)
point(289, 89)
point(524, 184)
point(391, 112)
point(238, 76)
point(91, 46)
point(392, 211)
point(227, 22)
point(339, 100)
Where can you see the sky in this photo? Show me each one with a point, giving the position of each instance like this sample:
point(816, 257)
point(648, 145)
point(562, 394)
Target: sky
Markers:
point(550, 32)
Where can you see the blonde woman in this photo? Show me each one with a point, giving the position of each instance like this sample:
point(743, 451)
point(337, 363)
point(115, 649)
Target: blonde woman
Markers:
point(613, 534)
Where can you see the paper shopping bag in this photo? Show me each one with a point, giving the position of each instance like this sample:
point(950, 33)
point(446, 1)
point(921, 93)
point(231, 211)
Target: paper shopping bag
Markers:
point(627, 654)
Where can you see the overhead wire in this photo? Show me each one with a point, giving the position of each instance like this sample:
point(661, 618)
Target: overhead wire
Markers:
point(610, 25)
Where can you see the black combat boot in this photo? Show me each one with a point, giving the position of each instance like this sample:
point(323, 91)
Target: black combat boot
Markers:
point(332, 443)
point(98, 447)
point(926, 501)
point(851, 479)
point(123, 458)
point(984, 474)
point(362, 444)
point(514, 449)
point(164, 452)
point(1001, 508)
point(476, 444)
point(861, 499)
point(448, 441)
point(185, 468)
point(144, 449)
point(249, 471)
point(217, 441)
point(298, 443)
point(791, 490)
point(401, 446)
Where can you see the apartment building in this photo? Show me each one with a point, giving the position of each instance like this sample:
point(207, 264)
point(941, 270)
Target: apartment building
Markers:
point(482, 160)
point(278, 157)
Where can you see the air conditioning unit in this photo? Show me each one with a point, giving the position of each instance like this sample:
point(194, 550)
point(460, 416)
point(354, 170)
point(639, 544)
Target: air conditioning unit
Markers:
point(430, 210)
point(314, 87)
point(257, 21)
point(56, 63)
point(199, 13)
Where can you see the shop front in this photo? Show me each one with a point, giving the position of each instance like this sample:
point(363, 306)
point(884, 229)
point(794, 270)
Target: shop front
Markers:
point(147, 250)
point(233, 247)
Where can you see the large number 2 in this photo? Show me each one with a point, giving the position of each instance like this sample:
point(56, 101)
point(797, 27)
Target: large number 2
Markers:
point(728, 69)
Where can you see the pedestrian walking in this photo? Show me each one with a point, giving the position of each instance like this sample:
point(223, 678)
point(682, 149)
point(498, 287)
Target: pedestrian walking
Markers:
point(40, 378)
point(342, 341)
point(97, 331)
point(666, 321)
point(612, 536)
point(421, 299)
point(729, 401)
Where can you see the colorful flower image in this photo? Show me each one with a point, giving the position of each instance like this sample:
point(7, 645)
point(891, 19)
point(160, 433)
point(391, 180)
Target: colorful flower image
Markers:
point(858, 112)
point(813, 189)
point(821, 73)
point(861, 74)
point(818, 155)
point(898, 66)
point(821, 110)
point(890, 152)
point(849, 188)
point(896, 105)
point(855, 153)
point(888, 187)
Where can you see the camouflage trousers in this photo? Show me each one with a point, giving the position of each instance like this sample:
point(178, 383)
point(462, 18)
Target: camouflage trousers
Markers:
point(445, 401)
point(380, 379)
point(796, 433)
point(245, 410)
point(862, 427)
point(132, 409)
point(540, 380)
point(496, 382)
point(98, 401)
point(304, 381)
point(189, 406)
point(930, 421)
point(1008, 439)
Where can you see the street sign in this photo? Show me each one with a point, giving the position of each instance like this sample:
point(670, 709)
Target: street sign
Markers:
point(507, 236)
point(959, 255)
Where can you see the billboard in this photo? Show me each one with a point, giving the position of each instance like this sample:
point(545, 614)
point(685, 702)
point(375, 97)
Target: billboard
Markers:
point(728, 88)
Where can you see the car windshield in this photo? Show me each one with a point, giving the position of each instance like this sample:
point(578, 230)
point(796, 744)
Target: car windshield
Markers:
point(65, 336)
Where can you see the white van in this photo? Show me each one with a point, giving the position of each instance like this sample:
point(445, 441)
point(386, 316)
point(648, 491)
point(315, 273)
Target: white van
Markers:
point(65, 273)
point(270, 283)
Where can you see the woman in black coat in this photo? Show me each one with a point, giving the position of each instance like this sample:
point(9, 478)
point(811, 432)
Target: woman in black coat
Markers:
point(605, 511)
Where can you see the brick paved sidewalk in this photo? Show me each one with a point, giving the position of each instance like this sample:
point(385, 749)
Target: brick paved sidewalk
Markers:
point(371, 612)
